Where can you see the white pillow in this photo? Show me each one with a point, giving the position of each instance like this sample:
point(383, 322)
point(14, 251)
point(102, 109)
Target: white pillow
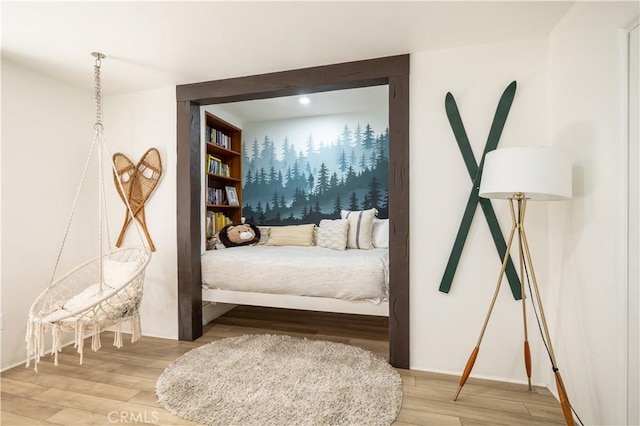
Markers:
point(333, 234)
point(360, 228)
point(381, 233)
point(115, 275)
point(87, 297)
point(118, 273)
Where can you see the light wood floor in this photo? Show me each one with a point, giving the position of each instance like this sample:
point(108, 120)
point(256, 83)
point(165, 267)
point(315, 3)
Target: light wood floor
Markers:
point(117, 386)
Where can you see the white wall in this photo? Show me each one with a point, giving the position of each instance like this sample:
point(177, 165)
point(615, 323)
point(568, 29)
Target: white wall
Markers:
point(47, 131)
point(633, 304)
point(445, 327)
point(134, 123)
point(587, 97)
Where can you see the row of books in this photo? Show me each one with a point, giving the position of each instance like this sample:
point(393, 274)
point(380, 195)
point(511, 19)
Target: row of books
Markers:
point(216, 196)
point(218, 138)
point(215, 165)
point(215, 222)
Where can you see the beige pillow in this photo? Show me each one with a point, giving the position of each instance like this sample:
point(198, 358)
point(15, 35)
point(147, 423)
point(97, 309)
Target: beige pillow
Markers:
point(291, 235)
point(333, 234)
point(360, 228)
point(265, 231)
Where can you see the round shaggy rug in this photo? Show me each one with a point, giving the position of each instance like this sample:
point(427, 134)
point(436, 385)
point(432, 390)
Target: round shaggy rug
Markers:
point(281, 380)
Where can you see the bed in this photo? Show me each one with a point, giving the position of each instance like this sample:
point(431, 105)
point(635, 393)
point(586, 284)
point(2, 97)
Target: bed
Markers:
point(295, 277)
point(341, 265)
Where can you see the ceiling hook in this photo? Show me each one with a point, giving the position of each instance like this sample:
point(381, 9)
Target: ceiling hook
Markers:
point(99, 56)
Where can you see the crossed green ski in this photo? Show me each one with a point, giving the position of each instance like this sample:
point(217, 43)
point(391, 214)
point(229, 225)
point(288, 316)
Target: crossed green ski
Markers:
point(475, 172)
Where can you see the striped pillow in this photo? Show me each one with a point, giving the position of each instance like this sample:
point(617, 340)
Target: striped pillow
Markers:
point(360, 228)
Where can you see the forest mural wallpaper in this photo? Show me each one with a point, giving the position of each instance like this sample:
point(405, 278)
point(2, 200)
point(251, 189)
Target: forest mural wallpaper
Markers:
point(304, 170)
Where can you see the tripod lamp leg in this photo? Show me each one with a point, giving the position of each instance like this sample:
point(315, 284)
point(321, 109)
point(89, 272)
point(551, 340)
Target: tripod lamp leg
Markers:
point(562, 392)
point(522, 205)
point(474, 354)
point(467, 370)
point(564, 399)
point(527, 361)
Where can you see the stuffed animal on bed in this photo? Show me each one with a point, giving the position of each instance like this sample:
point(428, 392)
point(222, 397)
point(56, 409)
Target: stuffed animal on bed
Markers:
point(239, 235)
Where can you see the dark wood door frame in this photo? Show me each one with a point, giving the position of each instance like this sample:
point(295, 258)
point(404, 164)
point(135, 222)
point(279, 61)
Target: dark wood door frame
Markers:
point(392, 71)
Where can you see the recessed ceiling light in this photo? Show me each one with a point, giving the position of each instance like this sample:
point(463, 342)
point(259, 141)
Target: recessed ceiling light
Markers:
point(304, 100)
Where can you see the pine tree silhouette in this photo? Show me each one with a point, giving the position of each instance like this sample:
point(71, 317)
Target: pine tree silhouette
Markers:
point(373, 196)
point(353, 202)
point(337, 205)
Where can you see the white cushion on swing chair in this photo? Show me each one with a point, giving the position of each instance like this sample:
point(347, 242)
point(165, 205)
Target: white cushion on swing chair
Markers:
point(81, 301)
point(56, 315)
point(118, 273)
point(87, 298)
point(115, 275)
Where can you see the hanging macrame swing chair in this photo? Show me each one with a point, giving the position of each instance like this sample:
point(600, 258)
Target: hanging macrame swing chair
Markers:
point(103, 292)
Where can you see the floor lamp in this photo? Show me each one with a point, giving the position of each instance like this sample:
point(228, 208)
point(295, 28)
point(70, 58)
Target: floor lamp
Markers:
point(519, 175)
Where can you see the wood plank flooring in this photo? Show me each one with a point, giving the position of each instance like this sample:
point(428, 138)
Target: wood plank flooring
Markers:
point(118, 386)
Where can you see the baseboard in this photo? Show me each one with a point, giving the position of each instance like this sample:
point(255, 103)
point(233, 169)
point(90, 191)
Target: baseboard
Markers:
point(23, 363)
point(46, 353)
point(66, 343)
point(481, 377)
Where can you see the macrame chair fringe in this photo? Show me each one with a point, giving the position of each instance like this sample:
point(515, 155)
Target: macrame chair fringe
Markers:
point(137, 329)
point(117, 337)
point(79, 340)
point(56, 345)
point(95, 338)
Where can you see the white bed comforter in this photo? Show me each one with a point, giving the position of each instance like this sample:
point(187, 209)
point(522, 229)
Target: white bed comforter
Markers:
point(301, 271)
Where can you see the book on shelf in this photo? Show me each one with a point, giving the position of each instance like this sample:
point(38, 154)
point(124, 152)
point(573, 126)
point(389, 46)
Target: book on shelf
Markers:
point(216, 166)
point(216, 196)
point(215, 222)
point(216, 137)
point(209, 225)
point(211, 160)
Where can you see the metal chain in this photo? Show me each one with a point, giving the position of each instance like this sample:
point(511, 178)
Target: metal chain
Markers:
point(98, 88)
point(98, 127)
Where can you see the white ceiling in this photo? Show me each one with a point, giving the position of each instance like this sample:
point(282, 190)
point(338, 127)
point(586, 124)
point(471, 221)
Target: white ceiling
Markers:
point(338, 102)
point(158, 44)
point(154, 44)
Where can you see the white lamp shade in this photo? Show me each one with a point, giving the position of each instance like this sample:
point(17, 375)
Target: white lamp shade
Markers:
point(540, 173)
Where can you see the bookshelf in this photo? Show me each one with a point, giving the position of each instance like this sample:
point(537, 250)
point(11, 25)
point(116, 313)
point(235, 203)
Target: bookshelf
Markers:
point(222, 174)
